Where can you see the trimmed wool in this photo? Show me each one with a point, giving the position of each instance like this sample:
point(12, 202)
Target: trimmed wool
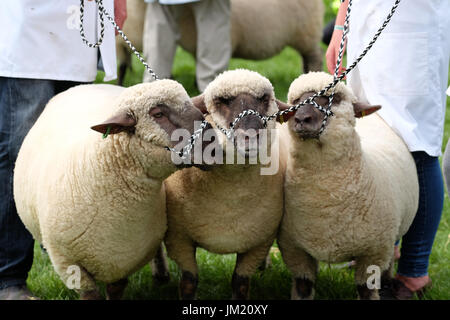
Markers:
point(349, 194)
point(231, 208)
point(97, 203)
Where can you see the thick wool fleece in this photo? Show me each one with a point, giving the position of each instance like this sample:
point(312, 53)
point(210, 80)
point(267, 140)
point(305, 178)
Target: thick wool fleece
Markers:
point(259, 29)
point(233, 82)
point(92, 202)
point(232, 208)
point(348, 195)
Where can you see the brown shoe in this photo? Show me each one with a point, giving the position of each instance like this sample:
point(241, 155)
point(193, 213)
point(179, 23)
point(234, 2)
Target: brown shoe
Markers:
point(402, 292)
point(17, 293)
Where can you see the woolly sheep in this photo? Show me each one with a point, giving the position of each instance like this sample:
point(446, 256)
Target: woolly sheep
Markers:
point(349, 194)
point(259, 30)
point(232, 208)
point(95, 203)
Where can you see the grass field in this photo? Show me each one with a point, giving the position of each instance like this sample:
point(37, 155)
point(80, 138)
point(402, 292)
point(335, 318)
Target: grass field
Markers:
point(215, 271)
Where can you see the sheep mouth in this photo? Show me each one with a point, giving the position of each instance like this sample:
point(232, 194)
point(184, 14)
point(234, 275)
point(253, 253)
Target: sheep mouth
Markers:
point(308, 135)
point(248, 153)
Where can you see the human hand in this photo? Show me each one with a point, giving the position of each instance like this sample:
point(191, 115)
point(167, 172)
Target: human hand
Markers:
point(333, 52)
point(120, 12)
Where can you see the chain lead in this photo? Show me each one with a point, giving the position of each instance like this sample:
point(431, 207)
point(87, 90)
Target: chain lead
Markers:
point(229, 132)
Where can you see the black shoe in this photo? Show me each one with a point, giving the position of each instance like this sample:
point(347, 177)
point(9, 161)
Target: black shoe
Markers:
point(17, 293)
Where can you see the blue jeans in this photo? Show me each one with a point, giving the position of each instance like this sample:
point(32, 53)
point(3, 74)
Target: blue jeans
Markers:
point(21, 103)
point(418, 241)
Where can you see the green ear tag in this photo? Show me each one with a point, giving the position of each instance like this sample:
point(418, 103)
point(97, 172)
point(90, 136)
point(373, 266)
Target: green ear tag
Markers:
point(108, 130)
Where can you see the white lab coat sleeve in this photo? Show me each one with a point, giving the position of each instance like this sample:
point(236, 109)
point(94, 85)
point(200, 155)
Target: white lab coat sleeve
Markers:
point(108, 47)
point(41, 40)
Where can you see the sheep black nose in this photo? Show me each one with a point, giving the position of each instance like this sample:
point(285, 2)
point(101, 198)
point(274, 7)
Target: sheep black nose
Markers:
point(303, 119)
point(308, 121)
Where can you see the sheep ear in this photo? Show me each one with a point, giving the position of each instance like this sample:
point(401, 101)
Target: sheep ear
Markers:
point(123, 121)
point(199, 103)
point(283, 106)
point(363, 109)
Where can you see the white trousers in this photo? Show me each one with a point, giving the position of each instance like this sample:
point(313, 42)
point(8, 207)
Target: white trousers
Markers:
point(161, 34)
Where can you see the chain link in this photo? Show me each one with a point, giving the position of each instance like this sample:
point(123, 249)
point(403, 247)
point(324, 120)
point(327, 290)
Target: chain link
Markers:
point(185, 151)
point(102, 25)
point(103, 12)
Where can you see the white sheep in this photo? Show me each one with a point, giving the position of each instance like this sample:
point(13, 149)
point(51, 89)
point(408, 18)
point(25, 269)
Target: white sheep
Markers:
point(350, 193)
point(232, 208)
point(99, 204)
point(259, 30)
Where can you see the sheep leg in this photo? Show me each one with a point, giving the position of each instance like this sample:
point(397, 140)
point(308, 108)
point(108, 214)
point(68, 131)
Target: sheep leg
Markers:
point(114, 291)
point(312, 60)
point(365, 268)
point(388, 274)
point(160, 269)
point(304, 271)
point(74, 276)
point(246, 264)
point(182, 251)
point(121, 74)
point(88, 288)
point(125, 64)
point(188, 286)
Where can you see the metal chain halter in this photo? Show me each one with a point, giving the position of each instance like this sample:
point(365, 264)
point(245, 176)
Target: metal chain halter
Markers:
point(331, 86)
point(185, 151)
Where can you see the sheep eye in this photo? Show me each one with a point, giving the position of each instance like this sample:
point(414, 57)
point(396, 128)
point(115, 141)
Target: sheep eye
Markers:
point(263, 98)
point(223, 100)
point(158, 115)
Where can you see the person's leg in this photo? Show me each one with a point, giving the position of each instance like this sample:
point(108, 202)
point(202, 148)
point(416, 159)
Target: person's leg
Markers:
point(159, 40)
point(212, 18)
point(21, 102)
point(418, 241)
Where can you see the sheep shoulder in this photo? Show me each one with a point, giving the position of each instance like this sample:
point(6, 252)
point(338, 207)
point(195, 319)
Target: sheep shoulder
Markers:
point(217, 208)
point(362, 197)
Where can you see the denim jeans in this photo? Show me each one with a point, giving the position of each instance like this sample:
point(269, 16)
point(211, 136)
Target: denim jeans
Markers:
point(418, 241)
point(21, 103)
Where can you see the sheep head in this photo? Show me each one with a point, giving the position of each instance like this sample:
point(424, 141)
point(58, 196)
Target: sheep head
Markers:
point(307, 120)
point(149, 114)
point(233, 92)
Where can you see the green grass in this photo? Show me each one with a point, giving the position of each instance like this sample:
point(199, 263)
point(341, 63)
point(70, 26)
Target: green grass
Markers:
point(215, 271)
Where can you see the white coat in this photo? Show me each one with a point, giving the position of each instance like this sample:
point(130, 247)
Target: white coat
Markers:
point(41, 40)
point(406, 71)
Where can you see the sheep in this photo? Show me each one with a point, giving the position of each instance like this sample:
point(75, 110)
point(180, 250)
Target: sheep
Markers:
point(232, 208)
point(98, 205)
point(259, 30)
point(350, 192)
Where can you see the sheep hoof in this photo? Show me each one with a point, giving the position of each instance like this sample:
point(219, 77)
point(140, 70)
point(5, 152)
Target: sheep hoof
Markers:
point(114, 291)
point(240, 286)
point(302, 289)
point(188, 286)
point(161, 278)
point(90, 295)
point(365, 293)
